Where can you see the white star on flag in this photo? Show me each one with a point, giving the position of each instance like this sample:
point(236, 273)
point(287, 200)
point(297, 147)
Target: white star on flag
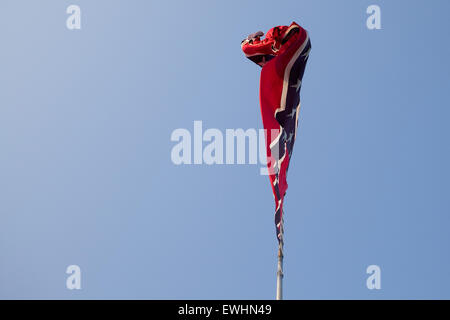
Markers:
point(297, 86)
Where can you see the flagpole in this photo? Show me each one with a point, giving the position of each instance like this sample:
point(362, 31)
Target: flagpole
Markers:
point(280, 262)
point(280, 273)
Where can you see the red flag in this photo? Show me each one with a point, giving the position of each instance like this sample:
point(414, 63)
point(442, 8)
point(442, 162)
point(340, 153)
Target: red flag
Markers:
point(282, 54)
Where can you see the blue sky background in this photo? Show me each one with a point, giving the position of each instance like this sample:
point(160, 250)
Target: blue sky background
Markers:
point(86, 176)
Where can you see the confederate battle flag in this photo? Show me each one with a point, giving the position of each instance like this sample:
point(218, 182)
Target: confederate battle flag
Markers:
point(282, 54)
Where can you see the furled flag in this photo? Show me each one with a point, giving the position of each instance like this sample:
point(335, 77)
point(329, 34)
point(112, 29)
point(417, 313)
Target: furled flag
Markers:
point(282, 54)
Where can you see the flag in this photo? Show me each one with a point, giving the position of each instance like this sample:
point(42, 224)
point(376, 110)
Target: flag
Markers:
point(282, 54)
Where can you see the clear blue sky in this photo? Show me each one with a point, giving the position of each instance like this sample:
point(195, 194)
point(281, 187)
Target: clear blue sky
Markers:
point(86, 176)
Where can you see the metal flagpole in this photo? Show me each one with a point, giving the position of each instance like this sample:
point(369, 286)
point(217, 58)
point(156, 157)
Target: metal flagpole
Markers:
point(280, 262)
